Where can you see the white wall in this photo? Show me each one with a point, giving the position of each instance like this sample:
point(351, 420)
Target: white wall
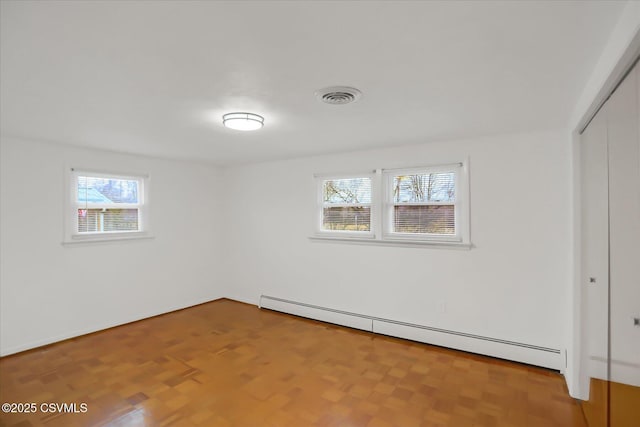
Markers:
point(50, 292)
point(511, 285)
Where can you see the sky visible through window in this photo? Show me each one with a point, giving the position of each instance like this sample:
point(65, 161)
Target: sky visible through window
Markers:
point(107, 190)
point(420, 188)
point(109, 194)
point(347, 203)
point(349, 190)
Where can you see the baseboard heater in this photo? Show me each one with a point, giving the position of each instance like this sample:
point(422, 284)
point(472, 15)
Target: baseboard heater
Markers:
point(504, 349)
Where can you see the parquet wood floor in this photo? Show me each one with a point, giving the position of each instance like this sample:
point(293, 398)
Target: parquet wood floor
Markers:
point(623, 403)
point(226, 363)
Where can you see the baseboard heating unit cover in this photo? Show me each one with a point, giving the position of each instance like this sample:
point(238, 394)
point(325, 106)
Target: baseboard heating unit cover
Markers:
point(504, 349)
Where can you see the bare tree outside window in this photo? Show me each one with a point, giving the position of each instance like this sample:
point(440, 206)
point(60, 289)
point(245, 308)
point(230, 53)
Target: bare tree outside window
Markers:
point(424, 203)
point(346, 204)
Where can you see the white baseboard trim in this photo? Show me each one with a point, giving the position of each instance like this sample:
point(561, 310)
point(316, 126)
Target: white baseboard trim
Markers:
point(317, 313)
point(489, 346)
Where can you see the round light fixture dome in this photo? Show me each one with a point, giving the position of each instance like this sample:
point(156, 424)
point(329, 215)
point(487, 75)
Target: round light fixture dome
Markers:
point(243, 121)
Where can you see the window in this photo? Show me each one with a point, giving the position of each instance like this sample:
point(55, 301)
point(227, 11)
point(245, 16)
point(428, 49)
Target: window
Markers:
point(427, 205)
point(422, 204)
point(106, 206)
point(346, 205)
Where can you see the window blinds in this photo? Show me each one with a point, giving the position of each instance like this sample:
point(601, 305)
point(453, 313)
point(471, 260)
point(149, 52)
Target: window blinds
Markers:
point(424, 203)
point(106, 204)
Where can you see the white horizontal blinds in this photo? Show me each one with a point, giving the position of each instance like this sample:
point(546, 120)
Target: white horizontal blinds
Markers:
point(346, 204)
point(106, 204)
point(424, 203)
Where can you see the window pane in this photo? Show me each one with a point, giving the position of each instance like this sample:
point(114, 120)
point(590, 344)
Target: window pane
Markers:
point(350, 190)
point(349, 218)
point(107, 190)
point(430, 187)
point(439, 219)
point(104, 220)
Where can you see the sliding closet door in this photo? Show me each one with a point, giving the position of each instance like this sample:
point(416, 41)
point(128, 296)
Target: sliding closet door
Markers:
point(610, 179)
point(623, 121)
point(595, 269)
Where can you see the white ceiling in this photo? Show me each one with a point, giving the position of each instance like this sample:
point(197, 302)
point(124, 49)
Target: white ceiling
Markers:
point(155, 77)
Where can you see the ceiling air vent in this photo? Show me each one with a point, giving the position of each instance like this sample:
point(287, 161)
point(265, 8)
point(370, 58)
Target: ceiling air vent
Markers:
point(338, 95)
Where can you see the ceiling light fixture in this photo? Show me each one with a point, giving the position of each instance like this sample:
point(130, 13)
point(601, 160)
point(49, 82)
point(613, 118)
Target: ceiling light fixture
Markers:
point(243, 121)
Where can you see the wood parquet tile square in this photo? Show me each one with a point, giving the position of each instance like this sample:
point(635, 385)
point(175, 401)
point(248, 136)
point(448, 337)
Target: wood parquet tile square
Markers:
point(226, 363)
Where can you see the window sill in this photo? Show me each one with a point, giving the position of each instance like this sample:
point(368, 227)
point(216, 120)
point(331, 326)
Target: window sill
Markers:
point(84, 240)
point(393, 242)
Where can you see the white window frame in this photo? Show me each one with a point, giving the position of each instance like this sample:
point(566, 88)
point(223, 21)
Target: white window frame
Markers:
point(71, 210)
point(382, 209)
point(320, 205)
point(461, 195)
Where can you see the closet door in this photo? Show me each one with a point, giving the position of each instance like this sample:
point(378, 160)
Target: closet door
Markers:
point(595, 269)
point(610, 180)
point(623, 121)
